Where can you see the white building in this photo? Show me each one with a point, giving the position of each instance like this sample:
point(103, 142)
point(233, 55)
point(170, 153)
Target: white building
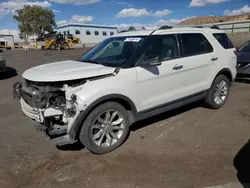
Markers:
point(88, 33)
point(6, 40)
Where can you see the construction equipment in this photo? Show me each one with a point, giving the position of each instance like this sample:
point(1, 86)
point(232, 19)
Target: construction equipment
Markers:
point(56, 41)
point(74, 39)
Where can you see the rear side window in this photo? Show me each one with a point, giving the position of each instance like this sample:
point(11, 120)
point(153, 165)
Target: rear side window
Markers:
point(195, 44)
point(223, 39)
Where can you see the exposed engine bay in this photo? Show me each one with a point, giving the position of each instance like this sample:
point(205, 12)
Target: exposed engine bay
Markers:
point(52, 104)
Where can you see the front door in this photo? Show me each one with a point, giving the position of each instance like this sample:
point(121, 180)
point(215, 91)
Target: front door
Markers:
point(160, 84)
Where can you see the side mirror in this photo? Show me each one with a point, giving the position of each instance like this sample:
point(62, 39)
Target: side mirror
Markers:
point(155, 61)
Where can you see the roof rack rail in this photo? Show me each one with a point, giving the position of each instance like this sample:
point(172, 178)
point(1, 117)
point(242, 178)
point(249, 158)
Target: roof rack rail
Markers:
point(191, 26)
point(165, 27)
point(214, 27)
point(123, 31)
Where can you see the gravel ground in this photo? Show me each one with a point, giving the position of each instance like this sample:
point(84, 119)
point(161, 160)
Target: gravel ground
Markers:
point(189, 147)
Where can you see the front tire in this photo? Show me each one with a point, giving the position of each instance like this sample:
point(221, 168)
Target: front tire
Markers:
point(218, 93)
point(105, 129)
point(52, 46)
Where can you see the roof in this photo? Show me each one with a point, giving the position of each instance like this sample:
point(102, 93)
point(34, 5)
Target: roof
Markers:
point(136, 33)
point(85, 25)
point(3, 35)
point(172, 30)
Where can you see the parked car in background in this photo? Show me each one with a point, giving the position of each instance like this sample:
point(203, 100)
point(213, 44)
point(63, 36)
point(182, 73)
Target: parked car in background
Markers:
point(2, 65)
point(243, 62)
point(126, 78)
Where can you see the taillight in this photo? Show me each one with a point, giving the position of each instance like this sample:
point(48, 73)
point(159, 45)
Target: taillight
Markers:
point(235, 52)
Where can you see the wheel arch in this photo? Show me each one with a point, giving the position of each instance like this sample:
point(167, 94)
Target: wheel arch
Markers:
point(226, 72)
point(126, 102)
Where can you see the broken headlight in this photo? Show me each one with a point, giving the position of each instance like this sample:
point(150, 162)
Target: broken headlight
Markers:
point(71, 106)
point(36, 95)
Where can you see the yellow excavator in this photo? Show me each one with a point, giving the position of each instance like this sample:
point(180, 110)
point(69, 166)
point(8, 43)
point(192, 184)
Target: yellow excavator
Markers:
point(74, 39)
point(56, 41)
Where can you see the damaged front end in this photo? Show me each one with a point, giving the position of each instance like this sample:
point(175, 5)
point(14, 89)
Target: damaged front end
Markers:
point(52, 105)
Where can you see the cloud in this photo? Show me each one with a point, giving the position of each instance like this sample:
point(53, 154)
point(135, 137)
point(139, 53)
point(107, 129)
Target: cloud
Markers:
point(77, 19)
point(56, 11)
point(119, 3)
point(202, 3)
point(154, 25)
point(3, 11)
point(12, 5)
point(243, 10)
point(133, 12)
point(76, 2)
point(61, 22)
point(161, 13)
point(82, 19)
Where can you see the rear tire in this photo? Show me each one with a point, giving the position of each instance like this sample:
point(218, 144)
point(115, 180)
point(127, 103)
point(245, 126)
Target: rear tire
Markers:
point(52, 46)
point(65, 46)
point(105, 129)
point(218, 93)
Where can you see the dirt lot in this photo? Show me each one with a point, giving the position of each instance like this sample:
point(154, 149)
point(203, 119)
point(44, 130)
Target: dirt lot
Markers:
point(190, 147)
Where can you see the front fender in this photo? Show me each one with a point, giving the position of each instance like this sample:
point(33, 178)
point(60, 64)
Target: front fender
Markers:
point(83, 115)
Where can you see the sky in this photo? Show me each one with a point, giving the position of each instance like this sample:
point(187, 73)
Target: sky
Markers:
point(123, 13)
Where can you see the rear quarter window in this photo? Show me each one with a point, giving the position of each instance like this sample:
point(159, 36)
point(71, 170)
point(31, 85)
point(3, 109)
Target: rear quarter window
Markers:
point(224, 40)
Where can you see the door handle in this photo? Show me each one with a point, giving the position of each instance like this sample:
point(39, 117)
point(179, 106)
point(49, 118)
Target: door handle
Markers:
point(214, 59)
point(177, 67)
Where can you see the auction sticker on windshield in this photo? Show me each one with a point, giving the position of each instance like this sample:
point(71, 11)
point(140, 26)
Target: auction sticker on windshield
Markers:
point(132, 40)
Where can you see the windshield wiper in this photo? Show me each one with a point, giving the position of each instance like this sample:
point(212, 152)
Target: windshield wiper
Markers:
point(92, 61)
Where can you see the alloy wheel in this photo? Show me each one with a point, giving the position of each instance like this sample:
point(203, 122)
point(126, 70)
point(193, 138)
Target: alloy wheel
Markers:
point(108, 128)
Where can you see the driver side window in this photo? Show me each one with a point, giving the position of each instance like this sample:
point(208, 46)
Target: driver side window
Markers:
point(163, 47)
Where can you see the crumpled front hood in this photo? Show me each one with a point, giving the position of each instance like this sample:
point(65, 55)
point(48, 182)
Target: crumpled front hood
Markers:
point(65, 70)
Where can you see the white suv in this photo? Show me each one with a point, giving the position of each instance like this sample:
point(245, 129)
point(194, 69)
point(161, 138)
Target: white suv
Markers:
point(124, 79)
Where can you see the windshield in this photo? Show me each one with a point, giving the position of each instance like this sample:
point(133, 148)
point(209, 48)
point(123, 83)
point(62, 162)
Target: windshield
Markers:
point(115, 51)
point(245, 47)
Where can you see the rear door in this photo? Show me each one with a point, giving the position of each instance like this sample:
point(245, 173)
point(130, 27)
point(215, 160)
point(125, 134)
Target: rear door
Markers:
point(199, 58)
point(227, 52)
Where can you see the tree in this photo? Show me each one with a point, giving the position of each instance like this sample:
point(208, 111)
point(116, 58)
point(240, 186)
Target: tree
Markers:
point(131, 28)
point(143, 28)
point(34, 20)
